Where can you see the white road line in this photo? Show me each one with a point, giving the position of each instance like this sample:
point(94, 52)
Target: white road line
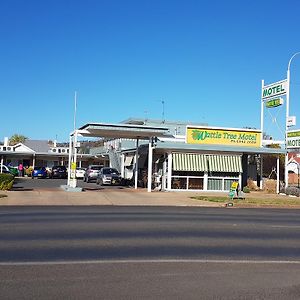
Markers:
point(285, 226)
point(150, 261)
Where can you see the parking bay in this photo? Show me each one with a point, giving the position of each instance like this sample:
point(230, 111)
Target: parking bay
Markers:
point(29, 184)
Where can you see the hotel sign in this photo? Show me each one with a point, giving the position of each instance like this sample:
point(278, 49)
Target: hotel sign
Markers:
point(223, 136)
point(293, 139)
point(274, 89)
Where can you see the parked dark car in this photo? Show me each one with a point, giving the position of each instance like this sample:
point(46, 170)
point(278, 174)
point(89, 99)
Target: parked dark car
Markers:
point(39, 172)
point(109, 176)
point(59, 172)
point(92, 172)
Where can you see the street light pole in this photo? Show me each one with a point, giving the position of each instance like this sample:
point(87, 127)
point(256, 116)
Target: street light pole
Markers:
point(288, 75)
point(298, 175)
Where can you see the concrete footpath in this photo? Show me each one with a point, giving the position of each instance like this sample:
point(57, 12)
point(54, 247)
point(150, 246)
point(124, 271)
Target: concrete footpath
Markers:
point(124, 197)
point(104, 197)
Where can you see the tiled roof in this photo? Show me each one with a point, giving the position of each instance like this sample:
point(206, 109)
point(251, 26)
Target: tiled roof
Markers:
point(295, 156)
point(37, 145)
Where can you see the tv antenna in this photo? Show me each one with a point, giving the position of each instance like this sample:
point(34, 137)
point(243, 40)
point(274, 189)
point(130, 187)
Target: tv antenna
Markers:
point(146, 115)
point(163, 111)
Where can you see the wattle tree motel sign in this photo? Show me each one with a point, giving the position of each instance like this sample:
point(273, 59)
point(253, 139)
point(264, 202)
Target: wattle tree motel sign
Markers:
point(223, 136)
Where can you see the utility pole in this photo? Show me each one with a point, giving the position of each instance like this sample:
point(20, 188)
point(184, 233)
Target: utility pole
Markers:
point(163, 111)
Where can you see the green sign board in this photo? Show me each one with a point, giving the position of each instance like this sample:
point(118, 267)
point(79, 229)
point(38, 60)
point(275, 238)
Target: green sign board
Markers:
point(291, 134)
point(274, 102)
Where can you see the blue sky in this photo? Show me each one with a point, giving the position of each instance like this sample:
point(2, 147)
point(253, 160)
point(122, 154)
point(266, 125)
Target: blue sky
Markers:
point(205, 59)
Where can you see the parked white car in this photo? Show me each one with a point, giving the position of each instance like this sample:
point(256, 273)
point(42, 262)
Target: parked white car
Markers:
point(80, 173)
point(91, 173)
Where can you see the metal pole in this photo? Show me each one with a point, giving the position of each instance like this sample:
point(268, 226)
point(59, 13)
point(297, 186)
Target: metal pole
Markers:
point(75, 109)
point(286, 174)
point(262, 114)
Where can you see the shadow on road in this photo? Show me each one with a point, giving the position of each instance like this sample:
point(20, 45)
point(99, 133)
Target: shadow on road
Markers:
point(21, 189)
point(103, 188)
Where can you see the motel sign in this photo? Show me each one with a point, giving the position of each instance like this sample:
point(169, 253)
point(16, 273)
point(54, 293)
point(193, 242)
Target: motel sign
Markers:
point(274, 89)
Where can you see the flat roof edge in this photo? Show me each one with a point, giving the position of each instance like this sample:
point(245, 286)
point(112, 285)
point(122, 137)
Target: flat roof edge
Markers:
point(129, 126)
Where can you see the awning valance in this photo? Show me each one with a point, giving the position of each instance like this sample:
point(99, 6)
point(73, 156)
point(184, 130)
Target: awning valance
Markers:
point(189, 162)
point(225, 163)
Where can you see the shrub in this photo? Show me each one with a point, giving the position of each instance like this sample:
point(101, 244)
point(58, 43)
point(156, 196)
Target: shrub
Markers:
point(6, 181)
point(292, 190)
point(270, 185)
point(251, 185)
point(246, 189)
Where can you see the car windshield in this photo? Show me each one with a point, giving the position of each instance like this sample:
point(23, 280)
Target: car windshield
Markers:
point(96, 168)
point(110, 171)
point(62, 168)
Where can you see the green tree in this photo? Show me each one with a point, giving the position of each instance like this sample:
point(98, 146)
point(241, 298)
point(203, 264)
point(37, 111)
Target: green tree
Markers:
point(17, 138)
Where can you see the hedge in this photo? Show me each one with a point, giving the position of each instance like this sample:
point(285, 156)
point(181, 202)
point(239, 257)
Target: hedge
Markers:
point(293, 191)
point(6, 181)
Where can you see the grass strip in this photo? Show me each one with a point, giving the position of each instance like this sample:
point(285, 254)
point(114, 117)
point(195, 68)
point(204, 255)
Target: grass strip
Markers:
point(252, 201)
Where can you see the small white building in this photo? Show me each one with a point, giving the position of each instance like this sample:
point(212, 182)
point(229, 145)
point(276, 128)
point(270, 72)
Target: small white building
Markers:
point(41, 153)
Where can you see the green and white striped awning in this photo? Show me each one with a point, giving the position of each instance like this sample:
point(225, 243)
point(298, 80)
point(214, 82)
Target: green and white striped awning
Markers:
point(189, 162)
point(225, 163)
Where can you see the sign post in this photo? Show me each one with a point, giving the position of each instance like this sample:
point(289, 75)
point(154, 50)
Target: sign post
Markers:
point(270, 95)
point(288, 75)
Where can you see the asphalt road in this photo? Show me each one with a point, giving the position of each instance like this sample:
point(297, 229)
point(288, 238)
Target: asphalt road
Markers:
point(29, 184)
point(149, 253)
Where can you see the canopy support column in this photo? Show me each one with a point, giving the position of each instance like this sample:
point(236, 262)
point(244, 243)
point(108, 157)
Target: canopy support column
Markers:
point(70, 158)
point(33, 161)
point(2, 159)
point(136, 165)
point(150, 160)
point(122, 165)
point(169, 183)
point(75, 148)
point(277, 182)
point(163, 179)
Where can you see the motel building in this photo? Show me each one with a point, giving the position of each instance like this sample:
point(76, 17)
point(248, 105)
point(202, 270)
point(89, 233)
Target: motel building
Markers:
point(178, 156)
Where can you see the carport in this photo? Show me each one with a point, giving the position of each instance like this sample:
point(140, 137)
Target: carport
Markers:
point(115, 131)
